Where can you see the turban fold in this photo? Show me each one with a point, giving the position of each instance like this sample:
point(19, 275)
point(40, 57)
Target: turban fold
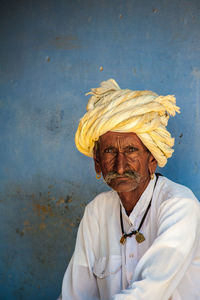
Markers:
point(122, 110)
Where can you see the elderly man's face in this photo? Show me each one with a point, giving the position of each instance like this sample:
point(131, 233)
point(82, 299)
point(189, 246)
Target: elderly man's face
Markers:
point(124, 161)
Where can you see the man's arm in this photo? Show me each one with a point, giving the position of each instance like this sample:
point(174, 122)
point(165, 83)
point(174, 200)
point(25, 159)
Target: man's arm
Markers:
point(162, 267)
point(79, 282)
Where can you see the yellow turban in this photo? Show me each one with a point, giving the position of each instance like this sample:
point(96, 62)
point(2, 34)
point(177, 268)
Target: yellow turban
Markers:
point(142, 112)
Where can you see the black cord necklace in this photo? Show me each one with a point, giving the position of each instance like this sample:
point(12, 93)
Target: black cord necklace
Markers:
point(138, 235)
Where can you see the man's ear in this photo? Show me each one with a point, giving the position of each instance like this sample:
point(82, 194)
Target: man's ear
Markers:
point(96, 161)
point(152, 164)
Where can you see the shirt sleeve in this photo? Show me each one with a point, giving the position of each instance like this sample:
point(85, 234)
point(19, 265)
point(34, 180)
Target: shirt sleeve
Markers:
point(163, 265)
point(79, 282)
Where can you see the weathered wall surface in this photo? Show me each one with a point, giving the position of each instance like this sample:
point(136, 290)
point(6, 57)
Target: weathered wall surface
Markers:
point(52, 52)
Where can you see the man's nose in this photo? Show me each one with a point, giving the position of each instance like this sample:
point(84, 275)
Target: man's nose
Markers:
point(120, 163)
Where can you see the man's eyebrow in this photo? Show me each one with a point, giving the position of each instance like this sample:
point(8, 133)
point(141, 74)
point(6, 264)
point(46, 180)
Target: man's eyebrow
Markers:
point(108, 146)
point(131, 145)
point(114, 147)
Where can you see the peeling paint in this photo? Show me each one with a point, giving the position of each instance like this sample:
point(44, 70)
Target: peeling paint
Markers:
point(155, 10)
point(42, 226)
point(68, 199)
point(26, 223)
point(60, 201)
point(43, 210)
point(47, 59)
point(54, 122)
point(20, 232)
point(51, 186)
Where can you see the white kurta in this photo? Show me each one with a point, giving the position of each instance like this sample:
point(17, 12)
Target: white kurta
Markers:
point(165, 266)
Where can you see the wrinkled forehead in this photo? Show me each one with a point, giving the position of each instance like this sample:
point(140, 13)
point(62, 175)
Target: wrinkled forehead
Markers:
point(123, 138)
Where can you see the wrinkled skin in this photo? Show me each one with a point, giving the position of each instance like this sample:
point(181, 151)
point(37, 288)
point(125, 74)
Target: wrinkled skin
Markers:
point(126, 165)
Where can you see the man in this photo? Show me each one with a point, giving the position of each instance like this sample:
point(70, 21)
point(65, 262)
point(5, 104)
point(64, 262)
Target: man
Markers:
point(141, 240)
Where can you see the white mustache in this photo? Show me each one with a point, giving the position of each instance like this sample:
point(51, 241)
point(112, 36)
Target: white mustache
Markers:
point(112, 175)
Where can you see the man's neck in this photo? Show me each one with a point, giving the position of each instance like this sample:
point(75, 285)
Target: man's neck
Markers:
point(130, 199)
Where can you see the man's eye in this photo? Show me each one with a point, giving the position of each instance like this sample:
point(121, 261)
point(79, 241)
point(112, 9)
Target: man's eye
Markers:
point(131, 149)
point(109, 150)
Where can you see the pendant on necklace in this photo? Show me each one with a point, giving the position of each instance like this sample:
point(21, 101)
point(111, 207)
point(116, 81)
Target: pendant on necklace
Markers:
point(123, 240)
point(139, 237)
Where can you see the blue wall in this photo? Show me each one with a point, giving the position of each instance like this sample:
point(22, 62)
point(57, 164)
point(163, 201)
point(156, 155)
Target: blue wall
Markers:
point(51, 55)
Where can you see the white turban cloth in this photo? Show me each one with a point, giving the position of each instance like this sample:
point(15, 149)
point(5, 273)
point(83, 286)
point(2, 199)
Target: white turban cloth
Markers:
point(122, 110)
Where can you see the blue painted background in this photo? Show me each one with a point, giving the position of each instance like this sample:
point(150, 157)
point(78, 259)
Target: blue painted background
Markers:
point(52, 53)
